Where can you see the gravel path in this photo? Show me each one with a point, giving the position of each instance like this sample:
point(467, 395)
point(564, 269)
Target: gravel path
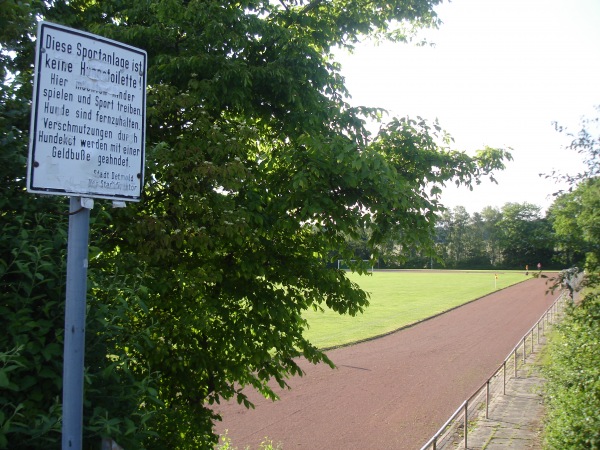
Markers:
point(396, 391)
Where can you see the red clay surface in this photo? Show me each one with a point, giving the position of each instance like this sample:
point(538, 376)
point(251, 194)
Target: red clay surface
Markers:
point(394, 392)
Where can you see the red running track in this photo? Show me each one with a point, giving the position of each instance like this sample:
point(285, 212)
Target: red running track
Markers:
point(394, 392)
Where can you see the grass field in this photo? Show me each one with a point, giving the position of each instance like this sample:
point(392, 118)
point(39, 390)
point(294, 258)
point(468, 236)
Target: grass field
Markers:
point(400, 298)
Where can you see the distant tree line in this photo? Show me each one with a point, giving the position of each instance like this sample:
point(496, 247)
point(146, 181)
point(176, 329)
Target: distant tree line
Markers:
point(515, 236)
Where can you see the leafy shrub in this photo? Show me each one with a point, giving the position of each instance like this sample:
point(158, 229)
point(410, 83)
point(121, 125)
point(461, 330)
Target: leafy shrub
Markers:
point(119, 396)
point(573, 374)
point(31, 312)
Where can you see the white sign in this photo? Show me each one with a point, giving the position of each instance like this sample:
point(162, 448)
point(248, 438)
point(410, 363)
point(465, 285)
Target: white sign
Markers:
point(88, 121)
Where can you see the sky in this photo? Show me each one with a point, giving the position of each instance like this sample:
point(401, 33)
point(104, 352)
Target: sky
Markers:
point(500, 73)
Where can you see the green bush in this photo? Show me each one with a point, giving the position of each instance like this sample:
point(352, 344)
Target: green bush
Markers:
point(119, 397)
point(31, 312)
point(573, 374)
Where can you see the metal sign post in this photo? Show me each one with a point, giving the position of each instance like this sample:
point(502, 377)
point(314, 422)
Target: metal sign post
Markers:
point(86, 141)
point(74, 345)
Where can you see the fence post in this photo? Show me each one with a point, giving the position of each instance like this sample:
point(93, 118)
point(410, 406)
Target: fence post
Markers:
point(504, 376)
point(487, 399)
point(531, 341)
point(524, 349)
point(466, 422)
point(544, 323)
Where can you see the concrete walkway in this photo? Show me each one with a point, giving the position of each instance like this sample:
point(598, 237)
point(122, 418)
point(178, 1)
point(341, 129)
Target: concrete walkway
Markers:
point(515, 419)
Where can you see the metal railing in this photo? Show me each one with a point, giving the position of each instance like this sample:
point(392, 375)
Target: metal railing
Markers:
point(456, 429)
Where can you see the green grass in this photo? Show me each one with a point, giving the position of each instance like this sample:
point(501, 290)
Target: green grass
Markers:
point(402, 298)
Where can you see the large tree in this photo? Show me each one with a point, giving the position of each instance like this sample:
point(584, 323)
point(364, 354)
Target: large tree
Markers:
point(454, 232)
point(491, 234)
point(257, 170)
point(525, 236)
point(575, 214)
point(564, 216)
point(573, 392)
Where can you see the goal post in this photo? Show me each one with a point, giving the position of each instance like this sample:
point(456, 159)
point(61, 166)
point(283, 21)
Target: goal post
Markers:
point(343, 264)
